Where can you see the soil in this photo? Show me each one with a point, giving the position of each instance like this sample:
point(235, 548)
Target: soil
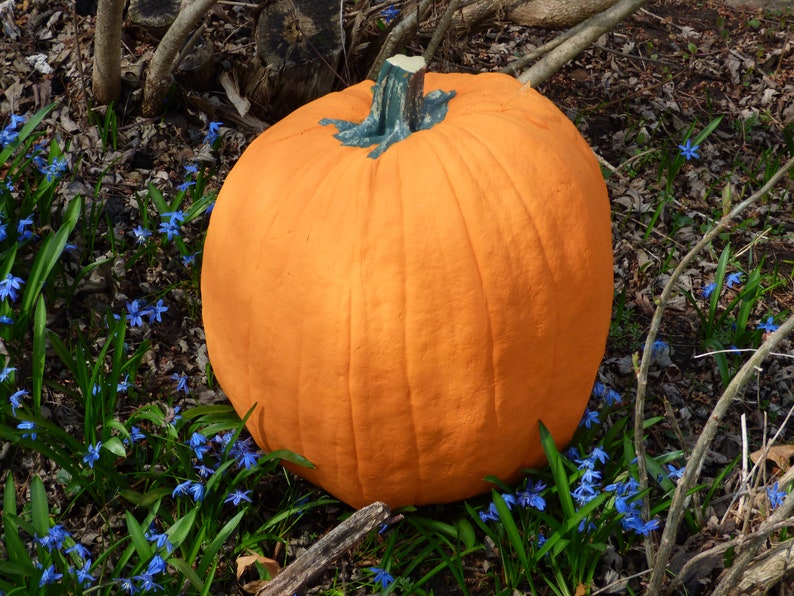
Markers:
point(634, 94)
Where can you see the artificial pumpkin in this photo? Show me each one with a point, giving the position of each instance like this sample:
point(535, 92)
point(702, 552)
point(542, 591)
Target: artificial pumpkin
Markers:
point(404, 299)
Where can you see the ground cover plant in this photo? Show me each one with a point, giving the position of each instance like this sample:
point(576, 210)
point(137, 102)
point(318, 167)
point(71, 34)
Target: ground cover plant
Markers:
point(124, 470)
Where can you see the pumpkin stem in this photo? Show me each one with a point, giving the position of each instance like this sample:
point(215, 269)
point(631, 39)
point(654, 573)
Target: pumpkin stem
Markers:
point(398, 107)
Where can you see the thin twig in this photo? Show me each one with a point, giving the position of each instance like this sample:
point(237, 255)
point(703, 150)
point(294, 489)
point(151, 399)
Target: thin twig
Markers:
point(441, 30)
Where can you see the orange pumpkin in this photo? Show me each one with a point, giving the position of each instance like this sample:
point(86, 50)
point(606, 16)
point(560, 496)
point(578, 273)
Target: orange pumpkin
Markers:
point(404, 316)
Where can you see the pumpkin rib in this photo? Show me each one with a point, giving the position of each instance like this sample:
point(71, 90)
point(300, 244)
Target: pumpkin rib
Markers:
point(453, 148)
point(405, 365)
point(483, 146)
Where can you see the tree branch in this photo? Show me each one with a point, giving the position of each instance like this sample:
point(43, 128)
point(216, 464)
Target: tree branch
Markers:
point(586, 33)
point(158, 76)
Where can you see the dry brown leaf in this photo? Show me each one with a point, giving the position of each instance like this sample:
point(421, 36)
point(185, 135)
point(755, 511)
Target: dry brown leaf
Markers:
point(245, 561)
point(780, 455)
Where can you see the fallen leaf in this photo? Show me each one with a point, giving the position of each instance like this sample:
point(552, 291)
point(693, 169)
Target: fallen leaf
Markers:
point(780, 455)
point(245, 561)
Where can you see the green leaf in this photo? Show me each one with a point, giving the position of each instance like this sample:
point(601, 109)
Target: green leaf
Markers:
point(558, 472)
point(48, 255)
point(181, 528)
point(142, 546)
point(39, 507)
point(513, 535)
point(115, 446)
point(39, 345)
point(212, 549)
point(188, 572)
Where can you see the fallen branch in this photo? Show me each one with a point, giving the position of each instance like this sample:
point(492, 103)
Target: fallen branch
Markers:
point(327, 550)
point(584, 34)
point(658, 563)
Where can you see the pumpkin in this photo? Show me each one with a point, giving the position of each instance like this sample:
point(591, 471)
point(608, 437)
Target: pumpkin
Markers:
point(400, 295)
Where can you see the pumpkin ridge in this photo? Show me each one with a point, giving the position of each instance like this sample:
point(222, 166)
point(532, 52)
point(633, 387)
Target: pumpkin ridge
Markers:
point(453, 149)
point(540, 256)
point(411, 397)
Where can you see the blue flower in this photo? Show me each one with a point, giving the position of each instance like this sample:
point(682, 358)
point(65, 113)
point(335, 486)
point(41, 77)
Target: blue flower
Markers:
point(81, 551)
point(126, 584)
point(244, 453)
point(157, 565)
point(674, 473)
point(599, 455)
point(175, 416)
point(92, 456)
point(141, 234)
point(52, 170)
point(15, 400)
point(198, 443)
point(530, 496)
point(22, 228)
point(491, 514)
point(161, 541)
point(157, 310)
point(5, 320)
point(589, 418)
point(181, 382)
point(50, 576)
point(9, 287)
point(196, 491)
point(84, 578)
point(170, 229)
point(238, 496)
point(190, 259)
point(29, 426)
point(136, 434)
point(733, 279)
point(612, 397)
point(123, 385)
point(213, 133)
point(135, 313)
point(708, 290)
point(54, 538)
point(6, 373)
point(639, 527)
point(204, 471)
point(382, 577)
point(776, 496)
point(584, 493)
point(660, 348)
point(769, 325)
point(389, 14)
point(182, 488)
point(148, 583)
point(688, 150)
point(191, 169)
point(185, 185)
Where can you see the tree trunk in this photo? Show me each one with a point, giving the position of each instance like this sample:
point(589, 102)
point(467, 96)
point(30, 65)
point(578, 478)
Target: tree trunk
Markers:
point(556, 14)
point(551, 14)
point(106, 80)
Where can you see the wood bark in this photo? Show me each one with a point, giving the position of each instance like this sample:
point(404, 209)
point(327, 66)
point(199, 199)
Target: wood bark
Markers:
point(327, 550)
point(106, 78)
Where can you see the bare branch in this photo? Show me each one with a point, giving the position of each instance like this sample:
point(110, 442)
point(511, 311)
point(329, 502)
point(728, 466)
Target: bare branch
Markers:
point(586, 33)
point(158, 76)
